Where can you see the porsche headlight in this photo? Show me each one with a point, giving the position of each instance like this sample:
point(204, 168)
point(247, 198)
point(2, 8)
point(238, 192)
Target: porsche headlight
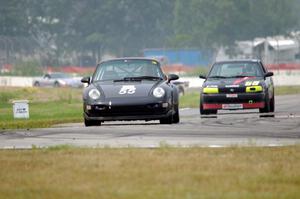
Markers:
point(94, 94)
point(158, 92)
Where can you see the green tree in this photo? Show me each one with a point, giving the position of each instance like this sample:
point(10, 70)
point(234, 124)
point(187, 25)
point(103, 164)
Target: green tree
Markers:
point(212, 23)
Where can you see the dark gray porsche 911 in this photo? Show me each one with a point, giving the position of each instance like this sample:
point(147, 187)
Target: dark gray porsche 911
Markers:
point(238, 84)
point(130, 89)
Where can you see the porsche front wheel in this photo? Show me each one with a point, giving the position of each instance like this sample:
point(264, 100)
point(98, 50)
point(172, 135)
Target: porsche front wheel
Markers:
point(176, 115)
point(167, 120)
point(91, 122)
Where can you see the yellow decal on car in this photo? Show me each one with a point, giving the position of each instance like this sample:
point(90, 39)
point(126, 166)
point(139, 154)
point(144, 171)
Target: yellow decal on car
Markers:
point(248, 83)
point(253, 89)
point(255, 83)
point(210, 90)
point(252, 83)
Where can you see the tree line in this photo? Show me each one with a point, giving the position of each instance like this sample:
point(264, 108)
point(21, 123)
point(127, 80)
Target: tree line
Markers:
point(58, 29)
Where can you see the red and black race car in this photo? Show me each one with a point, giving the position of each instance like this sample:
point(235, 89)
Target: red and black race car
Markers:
point(238, 84)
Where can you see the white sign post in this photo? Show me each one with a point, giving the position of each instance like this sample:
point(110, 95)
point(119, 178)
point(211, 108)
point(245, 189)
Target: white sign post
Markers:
point(21, 109)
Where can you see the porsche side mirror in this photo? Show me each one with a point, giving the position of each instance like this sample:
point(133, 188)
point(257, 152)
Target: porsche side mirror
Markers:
point(202, 77)
point(86, 80)
point(269, 74)
point(172, 77)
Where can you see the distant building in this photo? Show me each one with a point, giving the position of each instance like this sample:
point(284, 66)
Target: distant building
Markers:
point(270, 50)
point(276, 49)
point(186, 57)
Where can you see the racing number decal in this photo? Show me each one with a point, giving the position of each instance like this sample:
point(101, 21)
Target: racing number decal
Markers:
point(127, 90)
point(252, 83)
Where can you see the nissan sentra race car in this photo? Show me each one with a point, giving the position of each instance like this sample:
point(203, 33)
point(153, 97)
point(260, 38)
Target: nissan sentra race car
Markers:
point(130, 89)
point(233, 85)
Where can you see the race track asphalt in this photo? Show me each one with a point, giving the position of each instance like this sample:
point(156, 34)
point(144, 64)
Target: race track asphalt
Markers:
point(228, 128)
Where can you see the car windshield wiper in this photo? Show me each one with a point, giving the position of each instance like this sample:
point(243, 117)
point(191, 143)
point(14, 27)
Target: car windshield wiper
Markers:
point(139, 78)
point(240, 76)
point(125, 79)
point(217, 76)
point(149, 77)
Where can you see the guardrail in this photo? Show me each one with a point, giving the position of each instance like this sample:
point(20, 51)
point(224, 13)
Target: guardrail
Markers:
point(16, 81)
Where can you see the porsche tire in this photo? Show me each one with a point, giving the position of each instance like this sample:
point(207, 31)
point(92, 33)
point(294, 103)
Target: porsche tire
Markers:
point(167, 120)
point(176, 115)
point(88, 123)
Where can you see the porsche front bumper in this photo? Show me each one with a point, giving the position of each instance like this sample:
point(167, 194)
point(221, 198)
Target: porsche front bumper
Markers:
point(141, 111)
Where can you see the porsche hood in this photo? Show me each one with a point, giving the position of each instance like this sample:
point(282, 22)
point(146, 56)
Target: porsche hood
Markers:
point(127, 89)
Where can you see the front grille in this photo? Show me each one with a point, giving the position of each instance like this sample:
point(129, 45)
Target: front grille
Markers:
point(232, 90)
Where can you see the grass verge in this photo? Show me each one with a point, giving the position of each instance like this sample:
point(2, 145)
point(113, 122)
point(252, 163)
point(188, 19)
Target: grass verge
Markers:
point(287, 90)
point(48, 106)
point(66, 172)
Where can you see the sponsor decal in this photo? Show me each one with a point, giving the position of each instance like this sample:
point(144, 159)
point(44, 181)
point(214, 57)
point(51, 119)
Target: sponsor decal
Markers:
point(232, 95)
point(238, 81)
point(255, 83)
point(232, 86)
point(232, 106)
point(252, 83)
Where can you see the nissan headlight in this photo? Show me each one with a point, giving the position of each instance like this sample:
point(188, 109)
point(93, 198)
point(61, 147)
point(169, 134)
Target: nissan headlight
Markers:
point(158, 92)
point(94, 94)
point(210, 90)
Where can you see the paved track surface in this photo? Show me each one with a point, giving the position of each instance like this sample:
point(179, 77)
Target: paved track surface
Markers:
point(228, 128)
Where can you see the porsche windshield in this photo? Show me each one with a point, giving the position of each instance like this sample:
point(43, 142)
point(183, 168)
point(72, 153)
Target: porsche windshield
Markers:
point(236, 69)
point(128, 69)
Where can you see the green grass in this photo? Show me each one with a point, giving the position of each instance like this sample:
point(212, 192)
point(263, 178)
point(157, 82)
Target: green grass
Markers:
point(43, 114)
point(287, 90)
point(67, 172)
point(49, 106)
point(190, 100)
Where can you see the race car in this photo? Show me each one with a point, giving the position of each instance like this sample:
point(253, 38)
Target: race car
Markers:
point(57, 80)
point(238, 84)
point(130, 89)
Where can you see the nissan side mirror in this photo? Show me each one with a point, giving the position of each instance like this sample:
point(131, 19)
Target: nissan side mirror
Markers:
point(269, 74)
